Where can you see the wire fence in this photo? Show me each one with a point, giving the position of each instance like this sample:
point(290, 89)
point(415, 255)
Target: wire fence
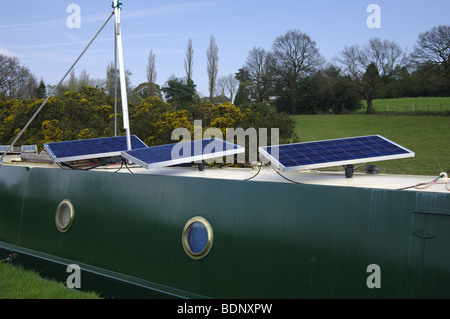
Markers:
point(410, 108)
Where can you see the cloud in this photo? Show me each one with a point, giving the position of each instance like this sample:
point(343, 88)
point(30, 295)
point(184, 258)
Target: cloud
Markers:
point(7, 53)
point(31, 26)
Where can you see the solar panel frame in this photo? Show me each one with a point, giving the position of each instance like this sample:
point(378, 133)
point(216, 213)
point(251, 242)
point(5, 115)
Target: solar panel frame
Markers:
point(335, 152)
point(29, 149)
point(76, 150)
point(4, 148)
point(162, 155)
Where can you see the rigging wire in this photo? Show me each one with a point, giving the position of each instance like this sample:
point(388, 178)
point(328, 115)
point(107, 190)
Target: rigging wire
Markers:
point(54, 89)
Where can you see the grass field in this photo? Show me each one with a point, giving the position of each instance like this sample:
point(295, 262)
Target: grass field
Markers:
point(17, 283)
point(427, 136)
point(417, 104)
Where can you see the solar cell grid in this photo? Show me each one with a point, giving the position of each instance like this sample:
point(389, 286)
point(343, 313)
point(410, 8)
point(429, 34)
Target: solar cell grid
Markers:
point(182, 152)
point(90, 148)
point(334, 152)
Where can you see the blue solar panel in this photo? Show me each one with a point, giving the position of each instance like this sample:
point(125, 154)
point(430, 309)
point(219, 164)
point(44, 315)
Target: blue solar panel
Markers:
point(182, 152)
point(328, 153)
point(90, 148)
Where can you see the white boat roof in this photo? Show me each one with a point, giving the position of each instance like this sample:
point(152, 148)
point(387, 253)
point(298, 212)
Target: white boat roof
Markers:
point(420, 183)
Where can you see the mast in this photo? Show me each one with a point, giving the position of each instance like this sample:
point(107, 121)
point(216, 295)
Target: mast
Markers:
point(123, 86)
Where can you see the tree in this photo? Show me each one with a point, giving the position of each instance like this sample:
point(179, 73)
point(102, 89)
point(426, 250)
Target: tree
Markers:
point(260, 66)
point(243, 94)
point(16, 81)
point(83, 79)
point(151, 74)
point(296, 56)
point(189, 61)
point(110, 74)
point(212, 60)
point(180, 93)
point(337, 92)
point(231, 85)
point(433, 47)
point(142, 90)
point(372, 66)
point(221, 85)
point(41, 91)
point(72, 82)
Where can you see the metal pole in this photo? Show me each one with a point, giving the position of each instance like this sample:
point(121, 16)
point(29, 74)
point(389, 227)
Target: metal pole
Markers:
point(123, 85)
point(115, 81)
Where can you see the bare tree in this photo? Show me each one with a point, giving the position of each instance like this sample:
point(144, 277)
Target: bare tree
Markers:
point(109, 84)
point(372, 66)
point(83, 79)
point(221, 85)
point(72, 82)
point(232, 85)
point(189, 61)
point(297, 56)
point(212, 60)
point(433, 47)
point(260, 66)
point(151, 74)
point(16, 81)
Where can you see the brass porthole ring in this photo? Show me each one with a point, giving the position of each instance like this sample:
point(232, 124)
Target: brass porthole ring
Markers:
point(197, 237)
point(64, 215)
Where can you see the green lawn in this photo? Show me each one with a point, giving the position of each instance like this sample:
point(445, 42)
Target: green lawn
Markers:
point(427, 136)
point(17, 283)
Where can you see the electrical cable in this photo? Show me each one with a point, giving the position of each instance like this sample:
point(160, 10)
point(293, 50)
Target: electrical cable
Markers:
point(259, 170)
point(126, 165)
point(427, 184)
point(290, 180)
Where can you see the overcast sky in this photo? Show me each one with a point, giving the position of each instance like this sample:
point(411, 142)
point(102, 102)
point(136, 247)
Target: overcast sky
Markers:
point(46, 38)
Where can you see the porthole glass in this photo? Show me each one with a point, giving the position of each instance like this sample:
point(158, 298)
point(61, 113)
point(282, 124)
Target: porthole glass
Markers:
point(64, 215)
point(197, 237)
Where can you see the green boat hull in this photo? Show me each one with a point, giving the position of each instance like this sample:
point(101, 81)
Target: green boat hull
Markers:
point(270, 240)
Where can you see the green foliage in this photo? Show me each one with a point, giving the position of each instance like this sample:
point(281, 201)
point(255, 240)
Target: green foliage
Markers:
point(327, 91)
point(74, 115)
point(180, 93)
point(41, 90)
point(266, 116)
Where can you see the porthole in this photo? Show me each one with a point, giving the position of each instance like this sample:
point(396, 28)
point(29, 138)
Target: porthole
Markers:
point(197, 237)
point(64, 215)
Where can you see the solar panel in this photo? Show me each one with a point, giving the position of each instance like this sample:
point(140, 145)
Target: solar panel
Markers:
point(345, 151)
point(90, 148)
point(182, 152)
point(4, 148)
point(29, 149)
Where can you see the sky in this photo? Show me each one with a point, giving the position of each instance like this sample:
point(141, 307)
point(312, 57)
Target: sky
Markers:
point(46, 37)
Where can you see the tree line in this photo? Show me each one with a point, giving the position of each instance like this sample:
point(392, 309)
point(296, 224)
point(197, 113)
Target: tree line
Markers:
point(292, 76)
point(297, 78)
